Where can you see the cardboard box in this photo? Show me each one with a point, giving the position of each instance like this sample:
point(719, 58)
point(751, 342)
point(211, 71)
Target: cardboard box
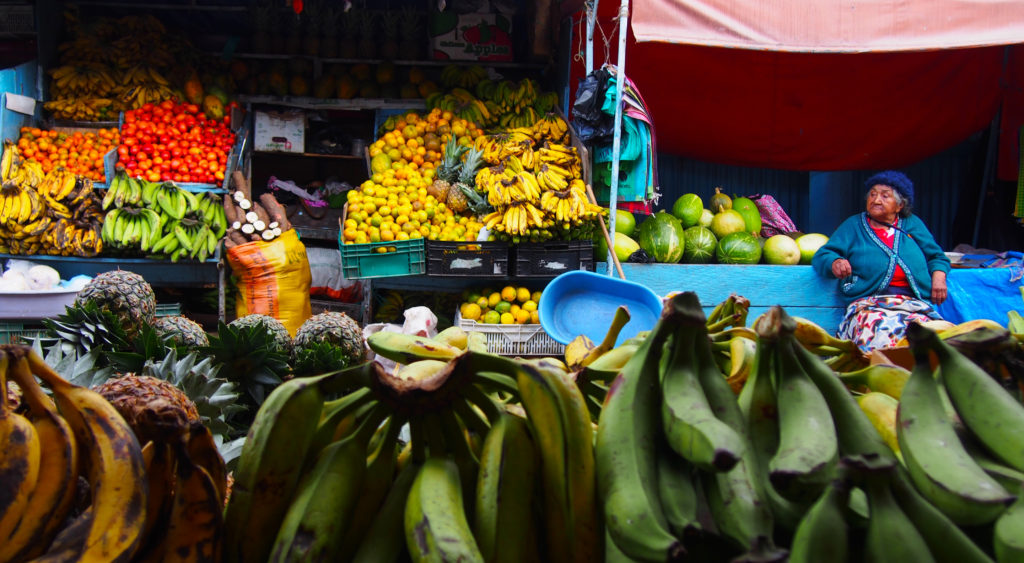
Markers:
point(470, 37)
point(280, 131)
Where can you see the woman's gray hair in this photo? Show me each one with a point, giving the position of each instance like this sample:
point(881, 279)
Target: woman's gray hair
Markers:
point(905, 211)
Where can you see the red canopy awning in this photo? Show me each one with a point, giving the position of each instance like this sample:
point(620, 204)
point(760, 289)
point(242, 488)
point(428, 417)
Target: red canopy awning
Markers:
point(776, 84)
point(830, 25)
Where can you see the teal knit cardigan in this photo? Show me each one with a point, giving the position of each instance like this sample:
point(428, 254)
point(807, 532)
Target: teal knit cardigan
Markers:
point(873, 262)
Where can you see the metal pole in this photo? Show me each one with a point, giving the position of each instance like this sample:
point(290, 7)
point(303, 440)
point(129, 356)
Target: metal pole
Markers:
point(613, 193)
point(591, 20)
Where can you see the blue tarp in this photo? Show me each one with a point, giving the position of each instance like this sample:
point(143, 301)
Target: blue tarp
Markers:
point(983, 293)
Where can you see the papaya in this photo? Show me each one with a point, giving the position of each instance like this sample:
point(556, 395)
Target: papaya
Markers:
point(212, 107)
point(298, 86)
point(217, 91)
point(408, 91)
point(194, 90)
point(385, 73)
point(278, 84)
point(325, 87)
point(347, 88)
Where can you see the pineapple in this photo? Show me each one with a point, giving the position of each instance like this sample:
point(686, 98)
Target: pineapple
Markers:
point(389, 47)
point(367, 35)
point(448, 172)
point(86, 327)
point(348, 45)
point(311, 39)
point(337, 329)
point(466, 186)
point(182, 331)
point(169, 395)
point(125, 294)
point(251, 356)
point(273, 326)
point(411, 41)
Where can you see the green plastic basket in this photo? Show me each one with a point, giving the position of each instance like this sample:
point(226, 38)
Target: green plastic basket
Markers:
point(361, 261)
point(168, 309)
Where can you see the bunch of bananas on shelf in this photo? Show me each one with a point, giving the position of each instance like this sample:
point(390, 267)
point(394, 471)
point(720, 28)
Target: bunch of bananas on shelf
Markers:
point(82, 79)
point(55, 213)
point(551, 127)
point(135, 96)
point(534, 197)
point(161, 219)
point(462, 76)
point(82, 109)
point(503, 103)
point(500, 146)
point(150, 503)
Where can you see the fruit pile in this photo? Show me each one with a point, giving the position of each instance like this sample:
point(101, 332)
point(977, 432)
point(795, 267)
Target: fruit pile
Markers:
point(175, 142)
point(396, 202)
point(80, 152)
point(692, 234)
point(163, 498)
point(250, 220)
point(161, 219)
point(536, 191)
point(501, 104)
point(511, 305)
point(112, 66)
point(55, 212)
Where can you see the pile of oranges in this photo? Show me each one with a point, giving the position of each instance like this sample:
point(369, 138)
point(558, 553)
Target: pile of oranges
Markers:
point(393, 204)
point(80, 152)
point(511, 305)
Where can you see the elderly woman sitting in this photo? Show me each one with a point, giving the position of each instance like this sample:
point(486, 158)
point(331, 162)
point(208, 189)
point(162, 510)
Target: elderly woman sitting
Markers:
point(887, 262)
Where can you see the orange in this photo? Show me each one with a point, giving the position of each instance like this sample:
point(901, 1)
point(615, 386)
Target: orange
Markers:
point(508, 293)
point(507, 319)
point(523, 317)
point(471, 311)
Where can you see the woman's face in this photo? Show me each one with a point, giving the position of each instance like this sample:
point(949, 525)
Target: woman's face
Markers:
point(883, 203)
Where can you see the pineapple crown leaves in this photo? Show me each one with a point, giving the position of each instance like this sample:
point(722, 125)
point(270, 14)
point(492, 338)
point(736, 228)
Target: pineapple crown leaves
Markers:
point(148, 345)
point(87, 327)
point(250, 357)
point(215, 398)
point(318, 358)
point(77, 368)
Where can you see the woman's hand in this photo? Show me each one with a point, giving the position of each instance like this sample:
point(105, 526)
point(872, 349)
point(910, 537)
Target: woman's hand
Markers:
point(939, 292)
point(841, 268)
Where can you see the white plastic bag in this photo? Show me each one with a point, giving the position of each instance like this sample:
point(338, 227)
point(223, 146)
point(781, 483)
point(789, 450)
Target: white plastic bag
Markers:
point(420, 321)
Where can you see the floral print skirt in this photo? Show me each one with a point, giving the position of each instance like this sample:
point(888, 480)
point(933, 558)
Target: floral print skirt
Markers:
point(880, 321)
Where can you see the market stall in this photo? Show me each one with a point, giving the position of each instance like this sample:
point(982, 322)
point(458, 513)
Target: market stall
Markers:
point(718, 418)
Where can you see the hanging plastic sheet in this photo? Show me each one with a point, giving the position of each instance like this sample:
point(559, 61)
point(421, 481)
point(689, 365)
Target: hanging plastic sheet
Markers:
point(592, 123)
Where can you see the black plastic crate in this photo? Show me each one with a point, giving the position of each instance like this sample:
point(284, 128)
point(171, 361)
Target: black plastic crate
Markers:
point(553, 258)
point(468, 259)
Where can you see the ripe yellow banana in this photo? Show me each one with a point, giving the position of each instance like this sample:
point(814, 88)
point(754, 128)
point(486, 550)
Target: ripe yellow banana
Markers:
point(51, 500)
point(117, 477)
point(19, 464)
point(195, 529)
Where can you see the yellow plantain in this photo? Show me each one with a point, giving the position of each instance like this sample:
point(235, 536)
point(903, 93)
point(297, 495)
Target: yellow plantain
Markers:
point(116, 472)
point(19, 462)
point(54, 494)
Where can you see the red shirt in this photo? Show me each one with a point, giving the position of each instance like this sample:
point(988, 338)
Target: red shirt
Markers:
point(888, 236)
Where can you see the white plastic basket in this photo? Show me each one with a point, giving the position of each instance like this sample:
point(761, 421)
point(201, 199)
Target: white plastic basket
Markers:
point(514, 339)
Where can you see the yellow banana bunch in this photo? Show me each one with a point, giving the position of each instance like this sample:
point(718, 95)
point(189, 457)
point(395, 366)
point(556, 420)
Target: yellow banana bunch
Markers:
point(84, 108)
point(552, 177)
point(10, 161)
point(552, 128)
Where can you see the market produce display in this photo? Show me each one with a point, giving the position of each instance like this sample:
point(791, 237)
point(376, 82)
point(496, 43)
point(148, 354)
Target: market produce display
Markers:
point(80, 152)
point(161, 219)
point(112, 66)
point(55, 212)
point(173, 141)
point(248, 220)
point(509, 305)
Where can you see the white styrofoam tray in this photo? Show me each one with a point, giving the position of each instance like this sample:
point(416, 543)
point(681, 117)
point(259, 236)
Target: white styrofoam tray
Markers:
point(35, 304)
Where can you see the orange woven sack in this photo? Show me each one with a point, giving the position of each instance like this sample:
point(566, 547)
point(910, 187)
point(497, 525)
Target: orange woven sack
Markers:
point(273, 279)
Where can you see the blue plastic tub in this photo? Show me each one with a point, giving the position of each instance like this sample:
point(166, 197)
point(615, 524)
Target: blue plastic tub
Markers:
point(581, 302)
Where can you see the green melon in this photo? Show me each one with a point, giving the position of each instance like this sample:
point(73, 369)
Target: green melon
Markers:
point(700, 245)
point(661, 237)
point(809, 244)
point(688, 209)
point(751, 215)
point(726, 222)
point(625, 223)
point(706, 216)
point(738, 248)
point(625, 246)
point(781, 250)
point(720, 201)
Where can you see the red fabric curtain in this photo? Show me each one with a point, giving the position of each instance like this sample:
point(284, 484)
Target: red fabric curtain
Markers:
point(811, 111)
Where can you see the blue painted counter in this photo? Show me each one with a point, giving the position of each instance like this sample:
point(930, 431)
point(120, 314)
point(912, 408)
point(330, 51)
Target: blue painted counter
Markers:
point(974, 293)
